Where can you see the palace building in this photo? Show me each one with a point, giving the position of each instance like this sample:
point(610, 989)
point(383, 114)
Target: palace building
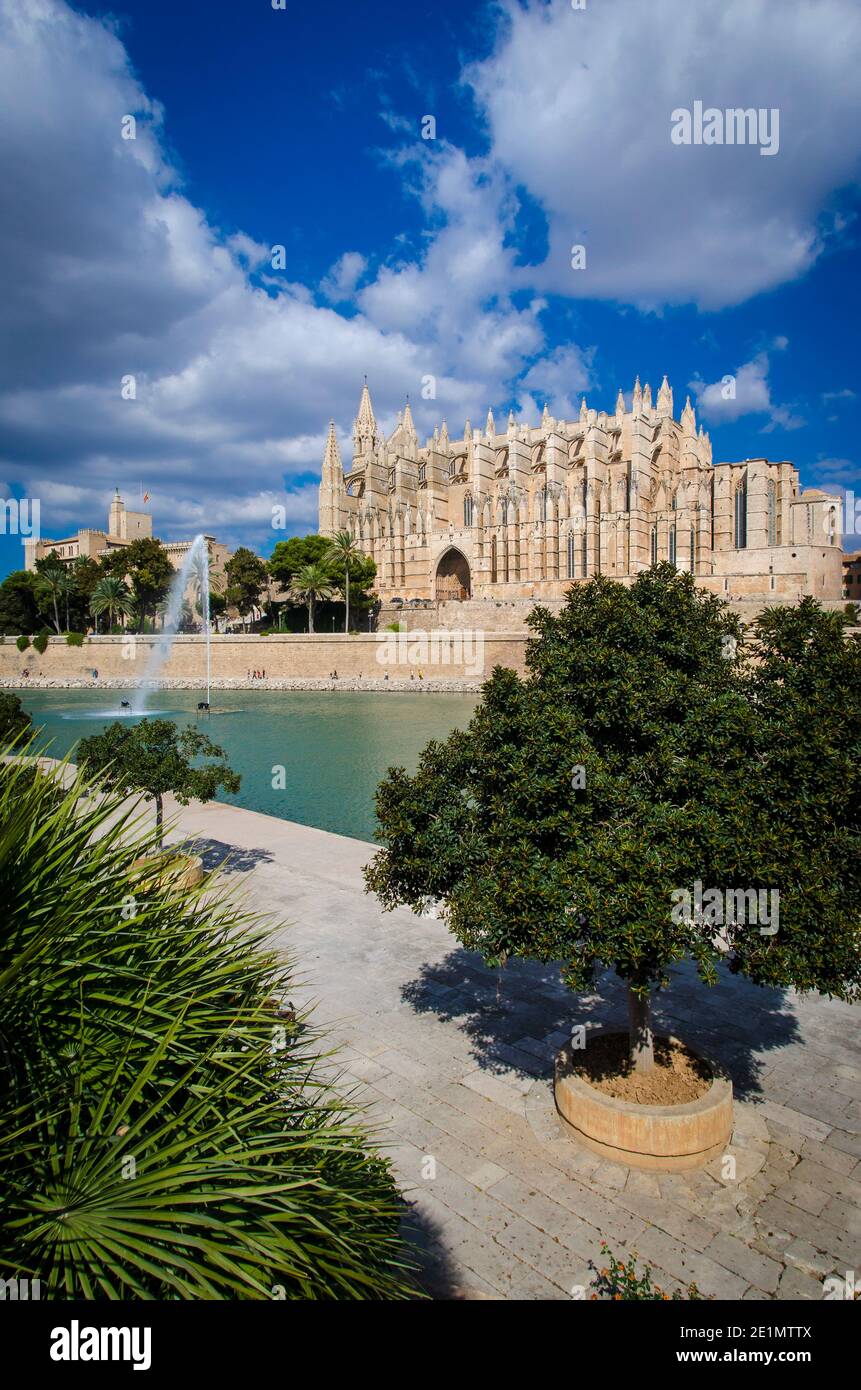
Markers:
point(522, 512)
point(124, 526)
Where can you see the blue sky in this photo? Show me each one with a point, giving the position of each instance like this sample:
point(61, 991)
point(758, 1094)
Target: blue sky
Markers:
point(408, 257)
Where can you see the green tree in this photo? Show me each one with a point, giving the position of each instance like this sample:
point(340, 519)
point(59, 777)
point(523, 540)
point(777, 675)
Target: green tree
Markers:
point(111, 596)
point(647, 752)
point(52, 583)
point(344, 551)
point(310, 584)
point(86, 574)
point(217, 605)
point(68, 592)
point(154, 758)
point(19, 609)
point(150, 1022)
point(288, 557)
point(246, 577)
point(14, 720)
point(150, 574)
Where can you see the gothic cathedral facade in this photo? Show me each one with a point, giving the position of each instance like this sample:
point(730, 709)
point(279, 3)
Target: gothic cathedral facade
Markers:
point(523, 513)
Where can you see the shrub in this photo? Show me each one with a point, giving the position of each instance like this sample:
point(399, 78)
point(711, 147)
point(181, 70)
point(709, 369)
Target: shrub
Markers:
point(22, 643)
point(40, 641)
point(624, 1283)
point(14, 720)
point(165, 1131)
point(75, 639)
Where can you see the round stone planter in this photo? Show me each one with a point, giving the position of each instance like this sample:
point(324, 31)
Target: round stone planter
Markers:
point(668, 1138)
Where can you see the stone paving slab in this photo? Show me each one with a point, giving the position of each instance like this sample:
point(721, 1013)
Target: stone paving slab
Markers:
point(454, 1063)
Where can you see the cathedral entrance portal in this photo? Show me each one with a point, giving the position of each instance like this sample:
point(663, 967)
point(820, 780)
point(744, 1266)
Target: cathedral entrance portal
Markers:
point(452, 577)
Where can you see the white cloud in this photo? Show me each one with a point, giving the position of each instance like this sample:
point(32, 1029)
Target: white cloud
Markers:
point(108, 270)
point(578, 106)
point(340, 284)
point(743, 392)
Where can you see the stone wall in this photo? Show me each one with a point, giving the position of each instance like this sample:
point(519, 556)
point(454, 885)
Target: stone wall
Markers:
point(464, 655)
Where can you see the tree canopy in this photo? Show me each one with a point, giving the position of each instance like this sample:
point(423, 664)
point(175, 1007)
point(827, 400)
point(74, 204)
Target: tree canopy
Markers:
point(652, 749)
point(246, 580)
point(154, 757)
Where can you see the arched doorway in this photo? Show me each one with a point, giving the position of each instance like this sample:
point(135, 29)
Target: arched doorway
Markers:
point(452, 577)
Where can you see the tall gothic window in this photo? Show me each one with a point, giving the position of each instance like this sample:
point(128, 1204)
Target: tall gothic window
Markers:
point(583, 556)
point(493, 562)
point(468, 511)
point(741, 514)
point(672, 542)
point(570, 554)
point(422, 472)
point(693, 551)
point(654, 545)
point(772, 512)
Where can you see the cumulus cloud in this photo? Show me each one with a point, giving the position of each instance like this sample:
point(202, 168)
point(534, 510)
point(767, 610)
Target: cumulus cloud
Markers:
point(109, 273)
point(578, 107)
point(744, 392)
point(340, 284)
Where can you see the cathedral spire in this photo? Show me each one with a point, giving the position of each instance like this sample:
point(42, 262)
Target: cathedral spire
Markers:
point(365, 426)
point(647, 397)
point(332, 466)
point(620, 405)
point(443, 438)
point(490, 426)
point(408, 418)
point(584, 413)
point(637, 402)
point(665, 398)
point(689, 419)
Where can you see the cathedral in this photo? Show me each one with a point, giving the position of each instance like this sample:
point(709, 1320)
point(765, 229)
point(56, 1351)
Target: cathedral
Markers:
point(521, 513)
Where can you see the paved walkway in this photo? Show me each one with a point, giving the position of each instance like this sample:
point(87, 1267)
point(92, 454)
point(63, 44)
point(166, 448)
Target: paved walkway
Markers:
point(455, 1064)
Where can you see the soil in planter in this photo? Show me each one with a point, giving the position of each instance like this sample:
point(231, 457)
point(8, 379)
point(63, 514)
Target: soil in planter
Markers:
point(678, 1076)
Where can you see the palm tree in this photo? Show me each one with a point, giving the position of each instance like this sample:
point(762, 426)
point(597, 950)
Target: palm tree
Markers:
point(145, 1032)
point(310, 583)
point(111, 596)
point(343, 547)
point(67, 588)
point(50, 584)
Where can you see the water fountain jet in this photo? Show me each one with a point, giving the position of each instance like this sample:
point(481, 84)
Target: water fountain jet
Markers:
point(194, 571)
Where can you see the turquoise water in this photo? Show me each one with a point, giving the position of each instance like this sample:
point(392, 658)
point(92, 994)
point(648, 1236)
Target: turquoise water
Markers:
point(334, 746)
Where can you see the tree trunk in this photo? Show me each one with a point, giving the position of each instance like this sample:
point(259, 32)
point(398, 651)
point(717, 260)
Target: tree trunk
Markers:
point(640, 1030)
point(159, 816)
point(56, 614)
point(347, 614)
point(311, 613)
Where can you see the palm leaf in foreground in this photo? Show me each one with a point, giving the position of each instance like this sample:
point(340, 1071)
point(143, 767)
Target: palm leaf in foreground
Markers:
point(162, 1133)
